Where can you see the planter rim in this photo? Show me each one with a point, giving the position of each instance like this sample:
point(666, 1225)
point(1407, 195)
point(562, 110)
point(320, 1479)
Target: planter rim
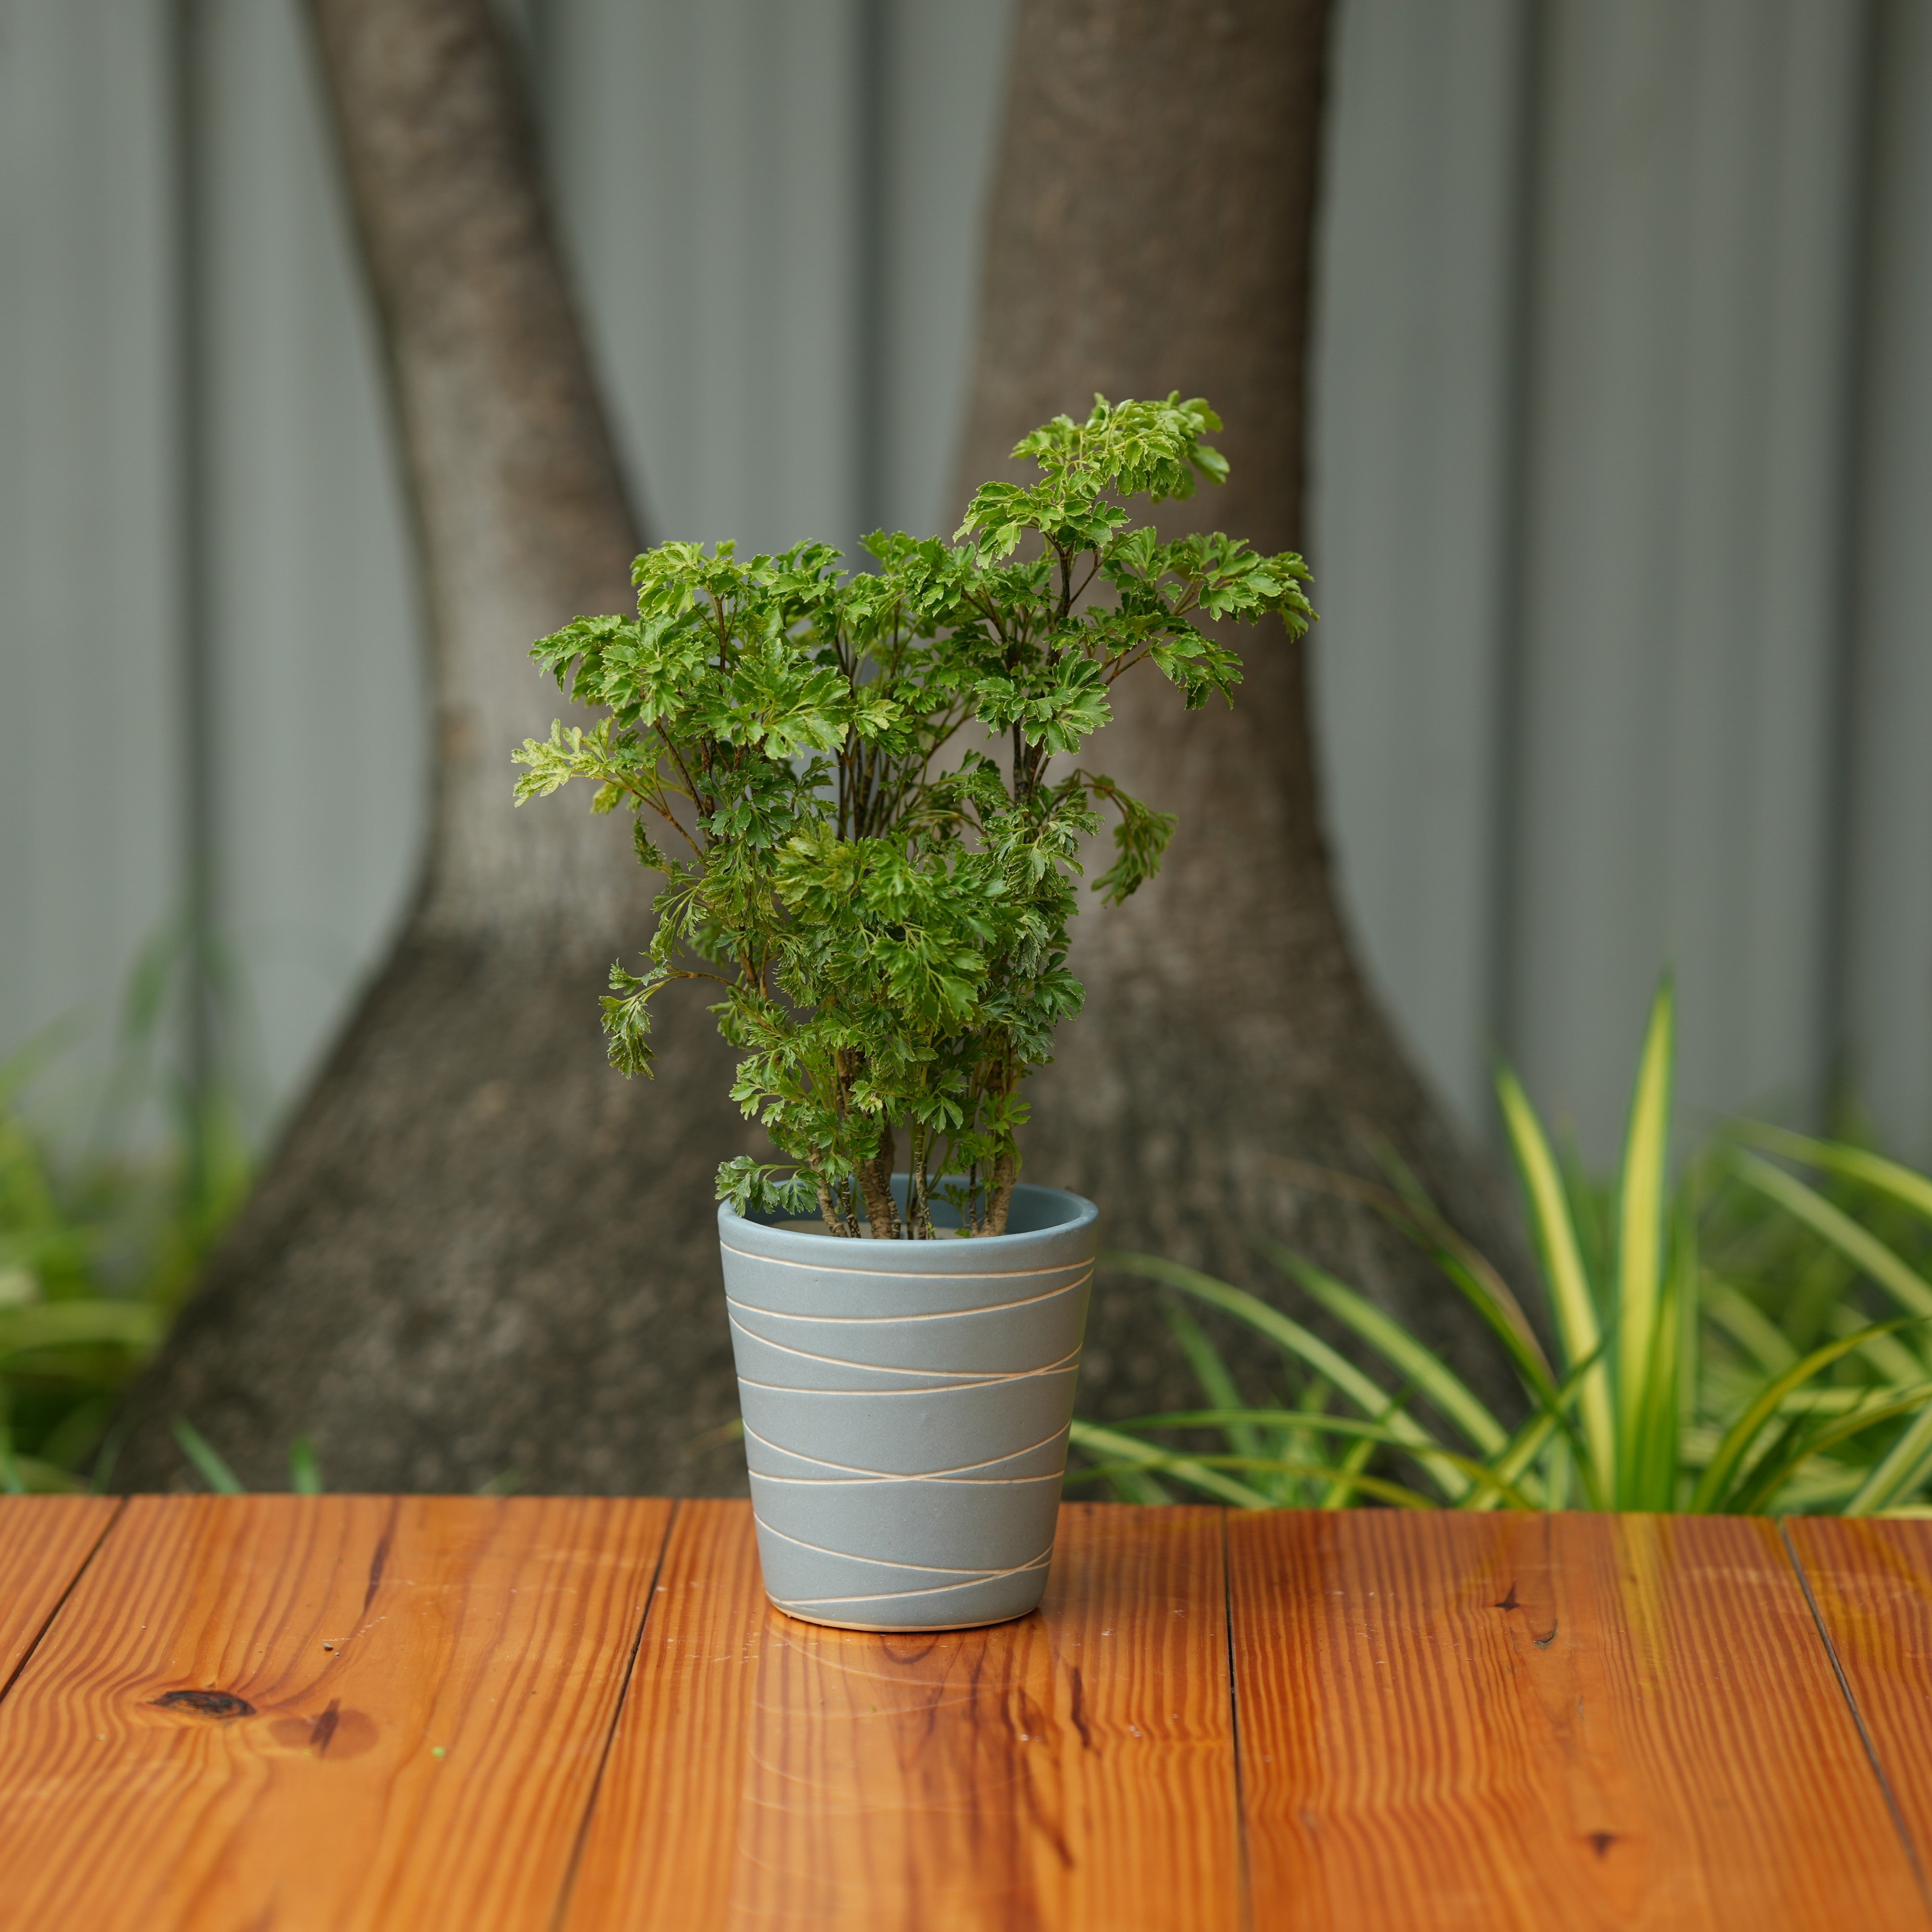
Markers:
point(1071, 1214)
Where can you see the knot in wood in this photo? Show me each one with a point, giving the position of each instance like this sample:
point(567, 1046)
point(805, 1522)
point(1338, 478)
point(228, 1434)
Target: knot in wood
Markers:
point(217, 1704)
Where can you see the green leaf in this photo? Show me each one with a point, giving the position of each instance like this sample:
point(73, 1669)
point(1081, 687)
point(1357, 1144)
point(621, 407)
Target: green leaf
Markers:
point(1570, 1298)
point(1289, 1335)
point(208, 1465)
point(1093, 1440)
point(1900, 1472)
point(1910, 1189)
point(1426, 1371)
point(78, 1323)
point(1641, 1235)
point(1738, 1438)
point(883, 911)
point(304, 1469)
point(1864, 1250)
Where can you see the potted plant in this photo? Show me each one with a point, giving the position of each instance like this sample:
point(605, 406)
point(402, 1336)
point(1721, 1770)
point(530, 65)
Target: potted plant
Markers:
point(861, 792)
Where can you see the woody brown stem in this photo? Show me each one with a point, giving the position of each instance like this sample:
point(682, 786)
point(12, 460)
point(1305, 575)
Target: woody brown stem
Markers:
point(835, 1222)
point(1000, 1201)
point(875, 1183)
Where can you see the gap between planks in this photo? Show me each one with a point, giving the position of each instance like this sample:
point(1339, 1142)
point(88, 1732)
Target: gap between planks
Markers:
point(1868, 1583)
point(1073, 1769)
point(46, 1545)
point(348, 1712)
point(1513, 1722)
point(566, 1890)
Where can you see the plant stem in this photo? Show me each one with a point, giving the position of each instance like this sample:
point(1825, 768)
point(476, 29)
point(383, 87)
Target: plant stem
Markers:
point(999, 1203)
point(875, 1183)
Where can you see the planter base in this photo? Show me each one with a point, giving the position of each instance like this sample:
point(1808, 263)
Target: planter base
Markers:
point(894, 1630)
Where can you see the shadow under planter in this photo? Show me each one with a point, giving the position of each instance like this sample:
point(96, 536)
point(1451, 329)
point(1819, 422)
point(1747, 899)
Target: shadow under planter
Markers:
point(906, 1406)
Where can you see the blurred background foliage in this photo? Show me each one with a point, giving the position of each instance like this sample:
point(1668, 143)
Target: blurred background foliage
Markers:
point(1601, 287)
point(101, 1233)
point(1752, 1333)
point(1604, 289)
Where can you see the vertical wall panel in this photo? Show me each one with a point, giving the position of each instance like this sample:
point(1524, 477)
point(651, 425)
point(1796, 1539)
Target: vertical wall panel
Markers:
point(1889, 976)
point(320, 714)
point(945, 72)
point(91, 832)
point(1674, 687)
point(1412, 426)
point(703, 159)
point(1677, 746)
point(705, 165)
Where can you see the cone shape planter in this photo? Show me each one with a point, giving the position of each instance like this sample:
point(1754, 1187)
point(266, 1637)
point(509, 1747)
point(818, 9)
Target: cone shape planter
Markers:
point(906, 1406)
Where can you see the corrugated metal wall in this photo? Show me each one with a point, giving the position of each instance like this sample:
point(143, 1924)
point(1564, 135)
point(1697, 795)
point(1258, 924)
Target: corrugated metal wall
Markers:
point(1623, 457)
point(1623, 454)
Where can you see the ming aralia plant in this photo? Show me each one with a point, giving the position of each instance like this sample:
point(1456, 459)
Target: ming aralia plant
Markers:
point(882, 897)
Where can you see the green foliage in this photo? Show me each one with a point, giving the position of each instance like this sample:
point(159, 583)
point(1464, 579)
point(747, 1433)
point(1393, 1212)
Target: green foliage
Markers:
point(98, 1247)
point(1745, 1341)
point(882, 902)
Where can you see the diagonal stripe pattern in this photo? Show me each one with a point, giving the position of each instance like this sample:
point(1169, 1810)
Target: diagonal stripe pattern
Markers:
point(906, 1407)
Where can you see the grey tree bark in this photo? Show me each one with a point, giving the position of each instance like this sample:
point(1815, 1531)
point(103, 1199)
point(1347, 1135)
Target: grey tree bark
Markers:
point(480, 1252)
point(1152, 229)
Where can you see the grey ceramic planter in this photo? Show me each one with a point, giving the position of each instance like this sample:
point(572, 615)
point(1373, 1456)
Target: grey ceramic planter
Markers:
point(906, 1406)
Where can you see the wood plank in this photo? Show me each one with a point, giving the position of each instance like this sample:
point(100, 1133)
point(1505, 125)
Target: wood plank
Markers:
point(1073, 1769)
point(333, 1711)
point(44, 1543)
point(659, 1849)
point(1872, 1582)
point(1509, 1721)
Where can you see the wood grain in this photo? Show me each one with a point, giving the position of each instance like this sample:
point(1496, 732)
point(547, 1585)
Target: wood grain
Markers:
point(327, 1712)
point(1872, 1582)
point(659, 1849)
point(1073, 1769)
point(1515, 1721)
point(44, 1543)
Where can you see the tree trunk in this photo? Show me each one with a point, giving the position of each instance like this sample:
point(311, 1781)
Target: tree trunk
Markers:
point(479, 1251)
point(1152, 229)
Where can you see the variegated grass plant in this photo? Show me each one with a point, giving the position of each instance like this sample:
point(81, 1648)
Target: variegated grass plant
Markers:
point(100, 1242)
point(1744, 1339)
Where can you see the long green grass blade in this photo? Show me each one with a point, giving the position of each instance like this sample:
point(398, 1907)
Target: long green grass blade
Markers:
point(1340, 1491)
point(1738, 1439)
point(1191, 1469)
point(1489, 1476)
point(1740, 1317)
point(1416, 1215)
point(1641, 1235)
point(1779, 1466)
point(1667, 1395)
point(304, 1467)
point(1910, 1189)
point(1432, 1377)
point(1129, 1484)
point(199, 1450)
point(1094, 1441)
point(1511, 1467)
point(1858, 1245)
point(1893, 1360)
point(108, 1454)
point(78, 1323)
point(1902, 1468)
point(1574, 1306)
point(1216, 1383)
point(1349, 1382)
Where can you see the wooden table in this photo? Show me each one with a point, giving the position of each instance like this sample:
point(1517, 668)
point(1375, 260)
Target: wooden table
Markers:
point(270, 1714)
